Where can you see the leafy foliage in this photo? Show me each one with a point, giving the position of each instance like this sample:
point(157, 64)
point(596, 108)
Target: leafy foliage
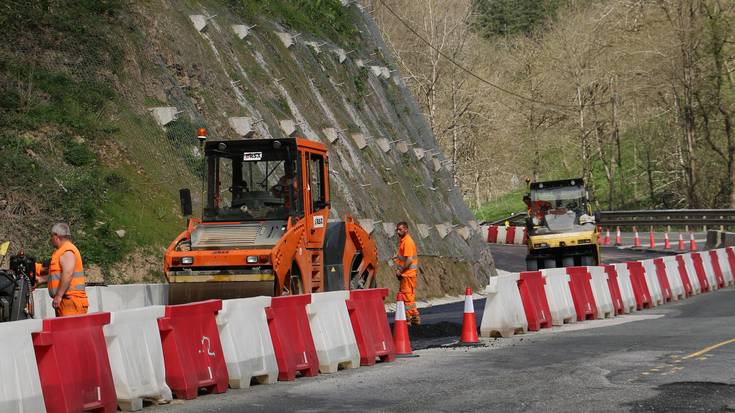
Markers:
point(511, 17)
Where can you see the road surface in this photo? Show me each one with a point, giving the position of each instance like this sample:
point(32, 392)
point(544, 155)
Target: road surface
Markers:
point(677, 357)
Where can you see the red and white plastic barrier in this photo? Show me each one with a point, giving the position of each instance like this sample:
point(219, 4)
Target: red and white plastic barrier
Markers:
point(601, 292)
point(246, 341)
point(504, 314)
point(500, 234)
point(20, 384)
point(559, 296)
point(626, 287)
point(652, 282)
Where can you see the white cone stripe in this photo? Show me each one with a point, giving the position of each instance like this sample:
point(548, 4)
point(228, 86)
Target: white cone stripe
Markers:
point(400, 311)
point(469, 306)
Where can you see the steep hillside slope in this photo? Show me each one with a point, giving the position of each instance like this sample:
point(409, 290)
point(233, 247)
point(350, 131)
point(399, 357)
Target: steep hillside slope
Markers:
point(101, 101)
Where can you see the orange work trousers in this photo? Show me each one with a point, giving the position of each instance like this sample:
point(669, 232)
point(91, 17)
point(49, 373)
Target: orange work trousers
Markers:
point(408, 289)
point(72, 305)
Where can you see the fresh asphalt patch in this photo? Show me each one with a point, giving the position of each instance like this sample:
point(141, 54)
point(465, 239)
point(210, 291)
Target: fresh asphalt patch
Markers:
point(688, 397)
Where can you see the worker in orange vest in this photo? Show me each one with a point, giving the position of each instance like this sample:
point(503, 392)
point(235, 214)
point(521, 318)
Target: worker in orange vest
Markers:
point(536, 209)
point(65, 274)
point(408, 263)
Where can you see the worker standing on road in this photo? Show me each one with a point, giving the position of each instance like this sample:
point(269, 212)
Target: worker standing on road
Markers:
point(408, 263)
point(66, 274)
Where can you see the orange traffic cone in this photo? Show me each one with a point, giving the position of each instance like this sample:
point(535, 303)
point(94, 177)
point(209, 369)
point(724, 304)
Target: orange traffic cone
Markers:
point(618, 237)
point(667, 243)
point(651, 239)
point(469, 322)
point(636, 238)
point(606, 239)
point(681, 242)
point(400, 330)
point(692, 242)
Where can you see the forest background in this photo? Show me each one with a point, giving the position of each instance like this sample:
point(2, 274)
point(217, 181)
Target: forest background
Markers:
point(635, 96)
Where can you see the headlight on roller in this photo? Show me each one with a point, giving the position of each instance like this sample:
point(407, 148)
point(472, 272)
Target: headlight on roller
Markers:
point(187, 260)
point(252, 259)
point(541, 245)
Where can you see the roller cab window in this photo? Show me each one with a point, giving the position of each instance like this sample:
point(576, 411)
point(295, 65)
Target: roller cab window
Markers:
point(252, 183)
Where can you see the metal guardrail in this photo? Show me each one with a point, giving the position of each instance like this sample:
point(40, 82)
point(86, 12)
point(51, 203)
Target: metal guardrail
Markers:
point(519, 218)
point(724, 217)
point(642, 218)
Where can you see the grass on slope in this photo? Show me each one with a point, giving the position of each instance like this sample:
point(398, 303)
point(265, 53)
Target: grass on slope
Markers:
point(57, 106)
point(503, 206)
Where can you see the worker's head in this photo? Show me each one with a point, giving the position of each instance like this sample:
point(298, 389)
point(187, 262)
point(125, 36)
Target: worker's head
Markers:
point(402, 229)
point(60, 232)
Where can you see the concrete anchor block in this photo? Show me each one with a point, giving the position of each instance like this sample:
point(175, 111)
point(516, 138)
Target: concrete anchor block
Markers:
point(437, 165)
point(331, 134)
point(288, 126)
point(164, 115)
point(314, 46)
point(424, 230)
point(375, 71)
point(199, 21)
point(243, 126)
point(402, 147)
point(359, 139)
point(465, 233)
point(286, 39)
point(385, 73)
point(390, 229)
point(367, 225)
point(341, 55)
point(419, 152)
point(444, 229)
point(383, 144)
point(242, 31)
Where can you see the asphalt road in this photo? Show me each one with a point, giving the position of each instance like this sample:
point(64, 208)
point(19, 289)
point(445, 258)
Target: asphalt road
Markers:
point(655, 360)
point(677, 357)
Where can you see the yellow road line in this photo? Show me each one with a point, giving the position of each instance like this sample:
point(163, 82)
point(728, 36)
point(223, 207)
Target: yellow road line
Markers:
point(708, 349)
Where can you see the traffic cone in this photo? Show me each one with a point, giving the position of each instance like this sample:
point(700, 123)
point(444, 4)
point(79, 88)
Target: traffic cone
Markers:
point(636, 238)
point(692, 242)
point(681, 242)
point(400, 329)
point(618, 237)
point(469, 323)
point(651, 239)
point(667, 243)
point(606, 239)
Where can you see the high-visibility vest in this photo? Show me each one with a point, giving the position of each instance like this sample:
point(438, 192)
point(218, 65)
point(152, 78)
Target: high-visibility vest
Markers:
point(407, 256)
point(76, 288)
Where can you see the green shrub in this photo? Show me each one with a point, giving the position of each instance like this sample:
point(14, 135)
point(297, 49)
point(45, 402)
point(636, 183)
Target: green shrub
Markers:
point(76, 154)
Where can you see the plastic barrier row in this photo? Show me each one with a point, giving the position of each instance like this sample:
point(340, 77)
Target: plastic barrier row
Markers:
point(107, 298)
point(529, 301)
point(105, 360)
point(500, 234)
